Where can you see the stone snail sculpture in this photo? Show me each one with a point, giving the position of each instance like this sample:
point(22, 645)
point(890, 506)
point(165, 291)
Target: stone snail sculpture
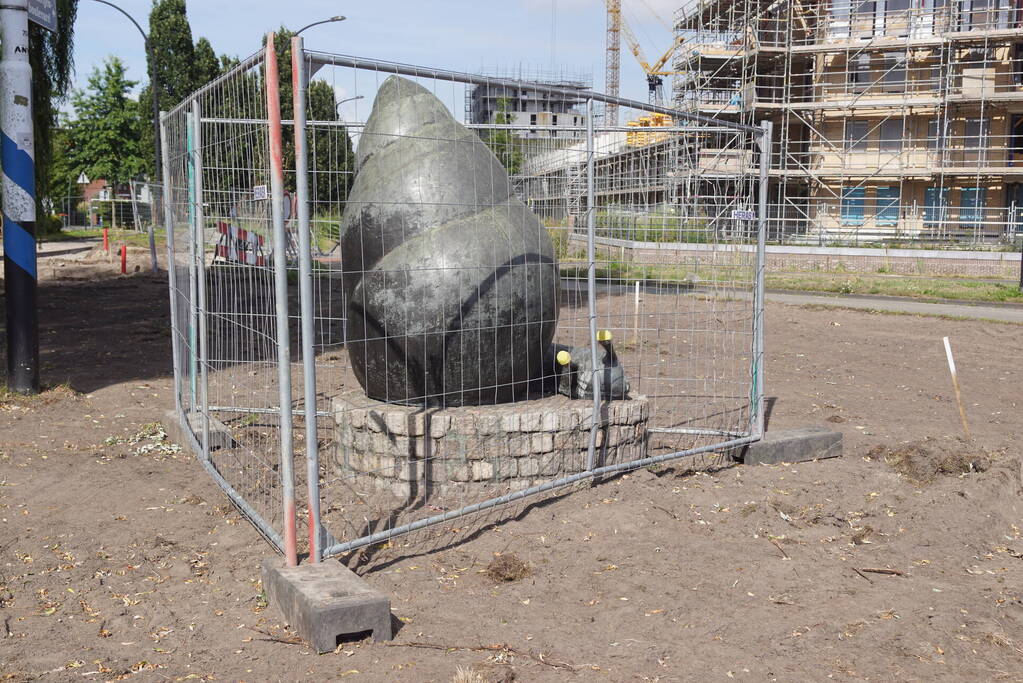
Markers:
point(451, 285)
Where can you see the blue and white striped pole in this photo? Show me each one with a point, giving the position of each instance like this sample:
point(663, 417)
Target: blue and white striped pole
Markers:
point(17, 150)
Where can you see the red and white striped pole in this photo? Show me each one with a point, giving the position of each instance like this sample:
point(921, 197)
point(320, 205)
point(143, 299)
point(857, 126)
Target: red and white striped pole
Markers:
point(273, 110)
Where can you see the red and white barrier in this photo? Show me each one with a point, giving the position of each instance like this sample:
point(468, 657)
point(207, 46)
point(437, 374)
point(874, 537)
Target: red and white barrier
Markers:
point(240, 245)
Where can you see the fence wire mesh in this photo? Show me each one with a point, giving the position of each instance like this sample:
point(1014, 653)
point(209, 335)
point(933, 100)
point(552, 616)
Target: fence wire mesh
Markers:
point(682, 329)
point(219, 235)
point(464, 332)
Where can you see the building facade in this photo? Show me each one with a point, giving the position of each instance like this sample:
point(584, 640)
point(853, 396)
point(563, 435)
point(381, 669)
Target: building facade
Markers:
point(535, 115)
point(893, 119)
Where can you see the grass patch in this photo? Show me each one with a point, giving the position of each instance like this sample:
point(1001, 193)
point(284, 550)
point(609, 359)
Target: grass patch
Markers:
point(923, 461)
point(625, 272)
point(12, 400)
point(129, 237)
point(914, 314)
point(963, 289)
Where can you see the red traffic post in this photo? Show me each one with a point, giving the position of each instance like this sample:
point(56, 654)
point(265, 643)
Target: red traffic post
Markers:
point(106, 240)
point(124, 259)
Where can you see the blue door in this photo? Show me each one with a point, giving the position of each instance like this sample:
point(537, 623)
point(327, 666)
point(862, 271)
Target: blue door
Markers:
point(887, 205)
point(971, 205)
point(852, 206)
point(935, 205)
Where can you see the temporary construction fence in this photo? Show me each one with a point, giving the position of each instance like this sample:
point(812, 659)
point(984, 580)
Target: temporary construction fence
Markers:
point(364, 308)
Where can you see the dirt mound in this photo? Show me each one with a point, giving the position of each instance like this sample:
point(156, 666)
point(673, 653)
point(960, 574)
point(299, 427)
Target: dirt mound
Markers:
point(508, 568)
point(924, 461)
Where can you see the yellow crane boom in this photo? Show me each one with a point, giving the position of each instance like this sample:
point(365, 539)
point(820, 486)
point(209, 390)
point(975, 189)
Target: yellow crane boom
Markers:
point(653, 72)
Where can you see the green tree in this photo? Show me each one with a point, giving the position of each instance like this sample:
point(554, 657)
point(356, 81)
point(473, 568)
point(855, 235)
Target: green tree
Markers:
point(61, 191)
point(106, 133)
point(506, 146)
point(206, 66)
point(331, 157)
point(62, 177)
point(171, 38)
point(51, 57)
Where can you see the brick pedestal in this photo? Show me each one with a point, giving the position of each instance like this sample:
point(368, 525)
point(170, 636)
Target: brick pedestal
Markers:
point(413, 450)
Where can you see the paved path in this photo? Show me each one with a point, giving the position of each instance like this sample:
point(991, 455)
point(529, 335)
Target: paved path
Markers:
point(1010, 313)
point(62, 248)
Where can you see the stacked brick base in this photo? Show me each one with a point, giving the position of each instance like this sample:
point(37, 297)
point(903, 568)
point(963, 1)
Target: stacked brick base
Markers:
point(413, 451)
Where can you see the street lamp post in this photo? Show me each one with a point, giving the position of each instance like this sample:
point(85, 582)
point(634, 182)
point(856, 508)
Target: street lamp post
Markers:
point(157, 167)
point(317, 23)
point(337, 106)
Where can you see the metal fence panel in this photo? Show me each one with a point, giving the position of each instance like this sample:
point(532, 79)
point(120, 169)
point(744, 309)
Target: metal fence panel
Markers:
point(386, 308)
point(684, 330)
point(220, 243)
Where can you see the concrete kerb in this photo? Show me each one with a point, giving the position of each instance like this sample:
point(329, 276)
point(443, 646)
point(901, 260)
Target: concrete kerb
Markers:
point(791, 445)
point(220, 435)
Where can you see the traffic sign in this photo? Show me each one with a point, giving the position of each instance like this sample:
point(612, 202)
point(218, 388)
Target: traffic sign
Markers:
point(43, 13)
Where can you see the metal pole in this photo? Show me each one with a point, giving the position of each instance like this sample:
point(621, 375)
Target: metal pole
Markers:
point(273, 106)
point(157, 151)
point(758, 313)
point(299, 86)
point(497, 83)
point(591, 284)
point(151, 58)
point(17, 152)
point(199, 241)
point(157, 157)
point(168, 226)
point(193, 370)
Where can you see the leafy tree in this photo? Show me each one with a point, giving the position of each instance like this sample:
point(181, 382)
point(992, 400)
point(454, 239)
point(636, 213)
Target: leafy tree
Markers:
point(206, 66)
point(62, 177)
point(171, 37)
point(330, 149)
point(52, 61)
point(106, 134)
point(507, 146)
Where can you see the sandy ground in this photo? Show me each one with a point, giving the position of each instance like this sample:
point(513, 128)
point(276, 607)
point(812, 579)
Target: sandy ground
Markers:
point(119, 557)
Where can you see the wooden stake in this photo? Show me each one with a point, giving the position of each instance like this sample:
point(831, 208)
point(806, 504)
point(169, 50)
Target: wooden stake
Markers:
point(955, 385)
point(635, 327)
point(889, 572)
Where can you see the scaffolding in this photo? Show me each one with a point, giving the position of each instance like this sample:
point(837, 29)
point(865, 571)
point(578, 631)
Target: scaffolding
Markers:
point(895, 120)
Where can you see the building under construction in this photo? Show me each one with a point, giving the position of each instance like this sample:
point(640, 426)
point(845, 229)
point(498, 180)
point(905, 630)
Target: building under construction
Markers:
point(535, 114)
point(893, 119)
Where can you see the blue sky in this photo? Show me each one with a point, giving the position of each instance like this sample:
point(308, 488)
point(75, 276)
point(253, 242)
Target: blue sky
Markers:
point(469, 35)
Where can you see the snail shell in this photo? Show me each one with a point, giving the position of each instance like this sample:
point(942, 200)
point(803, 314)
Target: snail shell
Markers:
point(450, 281)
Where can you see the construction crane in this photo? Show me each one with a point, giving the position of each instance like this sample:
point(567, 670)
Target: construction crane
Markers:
point(612, 59)
point(654, 72)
